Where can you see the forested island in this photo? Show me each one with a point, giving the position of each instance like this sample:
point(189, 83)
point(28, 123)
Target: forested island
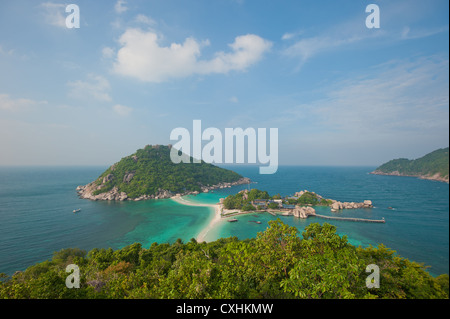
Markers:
point(150, 174)
point(434, 166)
point(278, 263)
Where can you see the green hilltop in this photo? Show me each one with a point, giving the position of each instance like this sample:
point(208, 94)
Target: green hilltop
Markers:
point(150, 173)
point(434, 165)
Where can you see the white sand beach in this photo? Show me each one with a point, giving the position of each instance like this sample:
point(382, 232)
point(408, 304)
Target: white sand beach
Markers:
point(212, 224)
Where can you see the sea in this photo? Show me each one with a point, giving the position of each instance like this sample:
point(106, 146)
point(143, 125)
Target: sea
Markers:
point(37, 218)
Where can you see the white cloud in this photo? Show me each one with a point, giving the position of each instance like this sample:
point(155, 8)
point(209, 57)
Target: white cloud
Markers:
point(3, 52)
point(140, 18)
point(117, 23)
point(339, 36)
point(9, 104)
point(120, 7)
point(107, 52)
point(392, 110)
point(142, 57)
point(306, 48)
point(287, 36)
point(417, 33)
point(54, 14)
point(352, 33)
point(399, 98)
point(291, 35)
point(246, 51)
point(122, 110)
point(96, 87)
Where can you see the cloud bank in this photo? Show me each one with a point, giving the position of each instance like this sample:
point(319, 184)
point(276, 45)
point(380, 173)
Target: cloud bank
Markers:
point(141, 56)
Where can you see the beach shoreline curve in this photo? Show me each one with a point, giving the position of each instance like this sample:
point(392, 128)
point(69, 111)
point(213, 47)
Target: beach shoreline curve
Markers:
point(213, 223)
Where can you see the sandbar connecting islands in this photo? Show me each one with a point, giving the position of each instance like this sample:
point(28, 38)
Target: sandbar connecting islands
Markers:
point(298, 211)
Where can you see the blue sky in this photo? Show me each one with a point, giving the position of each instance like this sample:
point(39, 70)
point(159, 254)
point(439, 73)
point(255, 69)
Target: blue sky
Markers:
point(338, 92)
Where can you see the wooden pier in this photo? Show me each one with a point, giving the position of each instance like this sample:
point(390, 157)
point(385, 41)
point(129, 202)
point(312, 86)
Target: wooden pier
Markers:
point(352, 219)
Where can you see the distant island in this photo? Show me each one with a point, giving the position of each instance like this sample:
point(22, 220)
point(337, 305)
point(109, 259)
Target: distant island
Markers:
point(149, 173)
point(433, 166)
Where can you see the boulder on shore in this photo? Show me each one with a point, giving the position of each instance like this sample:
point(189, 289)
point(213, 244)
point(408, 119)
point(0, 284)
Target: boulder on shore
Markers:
point(350, 205)
point(303, 212)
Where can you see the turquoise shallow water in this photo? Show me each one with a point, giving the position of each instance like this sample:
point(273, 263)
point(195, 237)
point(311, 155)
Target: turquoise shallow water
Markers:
point(36, 216)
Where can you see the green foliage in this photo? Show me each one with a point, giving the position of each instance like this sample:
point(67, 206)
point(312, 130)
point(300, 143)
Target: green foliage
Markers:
point(326, 202)
point(248, 207)
point(257, 194)
point(234, 201)
point(436, 162)
point(278, 263)
point(273, 205)
point(69, 256)
point(308, 198)
point(150, 170)
point(328, 266)
point(238, 201)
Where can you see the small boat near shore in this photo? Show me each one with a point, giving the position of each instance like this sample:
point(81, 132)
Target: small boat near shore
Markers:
point(254, 221)
point(77, 210)
point(232, 220)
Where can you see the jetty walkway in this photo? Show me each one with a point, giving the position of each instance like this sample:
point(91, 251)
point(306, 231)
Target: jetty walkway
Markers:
point(352, 219)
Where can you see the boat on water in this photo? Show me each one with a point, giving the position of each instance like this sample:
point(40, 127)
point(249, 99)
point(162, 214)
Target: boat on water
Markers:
point(255, 221)
point(232, 220)
point(77, 210)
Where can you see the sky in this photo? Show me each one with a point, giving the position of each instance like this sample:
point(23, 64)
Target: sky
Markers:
point(339, 93)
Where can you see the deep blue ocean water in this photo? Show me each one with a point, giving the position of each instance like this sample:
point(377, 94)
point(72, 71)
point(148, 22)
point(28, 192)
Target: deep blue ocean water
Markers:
point(36, 217)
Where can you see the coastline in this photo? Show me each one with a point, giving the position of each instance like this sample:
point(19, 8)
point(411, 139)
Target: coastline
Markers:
point(220, 213)
point(87, 191)
point(436, 177)
point(216, 219)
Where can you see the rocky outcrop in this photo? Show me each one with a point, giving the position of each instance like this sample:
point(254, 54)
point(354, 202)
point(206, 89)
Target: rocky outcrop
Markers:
point(128, 177)
point(107, 178)
point(303, 212)
point(87, 191)
point(336, 205)
point(159, 195)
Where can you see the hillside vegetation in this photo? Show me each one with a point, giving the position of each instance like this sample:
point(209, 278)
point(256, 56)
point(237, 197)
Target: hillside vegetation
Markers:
point(150, 171)
point(434, 165)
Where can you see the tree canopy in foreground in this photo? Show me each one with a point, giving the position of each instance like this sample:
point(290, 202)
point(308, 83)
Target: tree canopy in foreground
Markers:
point(276, 264)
